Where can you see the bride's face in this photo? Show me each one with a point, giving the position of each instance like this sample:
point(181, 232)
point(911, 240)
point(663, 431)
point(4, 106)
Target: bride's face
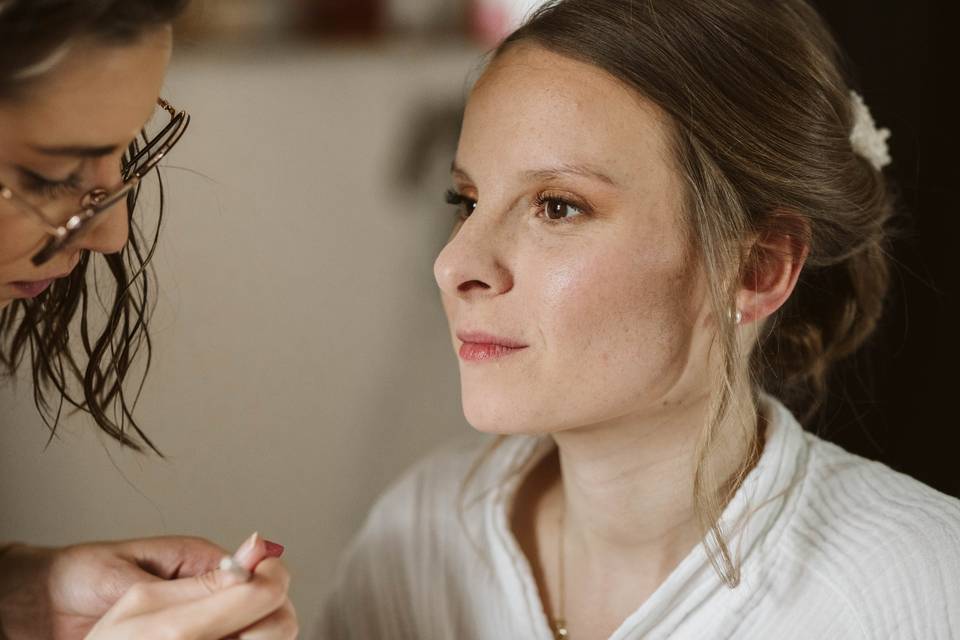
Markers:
point(569, 286)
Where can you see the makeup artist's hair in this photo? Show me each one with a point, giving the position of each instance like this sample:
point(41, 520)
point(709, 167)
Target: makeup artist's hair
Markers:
point(761, 119)
point(80, 338)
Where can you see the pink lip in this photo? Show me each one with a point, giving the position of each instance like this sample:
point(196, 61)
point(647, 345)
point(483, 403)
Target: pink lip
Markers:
point(478, 346)
point(32, 289)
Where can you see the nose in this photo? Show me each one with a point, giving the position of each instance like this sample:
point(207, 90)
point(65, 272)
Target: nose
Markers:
point(473, 265)
point(108, 232)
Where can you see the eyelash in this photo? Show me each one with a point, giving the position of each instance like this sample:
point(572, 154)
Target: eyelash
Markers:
point(52, 189)
point(546, 197)
point(458, 200)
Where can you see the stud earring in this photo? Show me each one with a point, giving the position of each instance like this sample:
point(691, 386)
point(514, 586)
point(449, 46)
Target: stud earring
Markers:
point(738, 317)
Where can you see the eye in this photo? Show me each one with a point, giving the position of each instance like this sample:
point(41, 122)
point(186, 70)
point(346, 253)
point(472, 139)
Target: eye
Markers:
point(51, 189)
point(465, 205)
point(554, 208)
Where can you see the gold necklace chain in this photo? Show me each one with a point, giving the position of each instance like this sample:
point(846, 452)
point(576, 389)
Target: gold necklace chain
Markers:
point(560, 620)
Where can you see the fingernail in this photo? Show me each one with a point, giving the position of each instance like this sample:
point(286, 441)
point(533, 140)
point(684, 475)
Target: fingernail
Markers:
point(274, 550)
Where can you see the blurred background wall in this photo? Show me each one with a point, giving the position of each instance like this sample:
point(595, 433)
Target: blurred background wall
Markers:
point(302, 359)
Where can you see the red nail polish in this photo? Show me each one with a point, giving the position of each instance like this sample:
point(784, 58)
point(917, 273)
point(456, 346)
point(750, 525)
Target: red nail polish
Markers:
point(274, 550)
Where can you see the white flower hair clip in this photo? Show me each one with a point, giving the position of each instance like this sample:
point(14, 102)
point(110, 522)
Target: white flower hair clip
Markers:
point(867, 140)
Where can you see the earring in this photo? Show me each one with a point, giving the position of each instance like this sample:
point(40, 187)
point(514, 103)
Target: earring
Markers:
point(738, 317)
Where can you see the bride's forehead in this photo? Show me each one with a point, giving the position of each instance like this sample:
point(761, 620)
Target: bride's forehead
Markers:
point(526, 78)
point(532, 98)
point(536, 66)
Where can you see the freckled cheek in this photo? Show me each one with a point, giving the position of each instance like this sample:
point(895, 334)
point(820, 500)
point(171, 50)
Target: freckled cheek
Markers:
point(581, 301)
point(610, 309)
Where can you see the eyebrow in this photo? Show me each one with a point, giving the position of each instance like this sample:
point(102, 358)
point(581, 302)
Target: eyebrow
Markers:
point(79, 151)
point(552, 173)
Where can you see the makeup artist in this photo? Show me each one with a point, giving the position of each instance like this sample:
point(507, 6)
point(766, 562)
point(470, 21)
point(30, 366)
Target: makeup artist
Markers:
point(81, 124)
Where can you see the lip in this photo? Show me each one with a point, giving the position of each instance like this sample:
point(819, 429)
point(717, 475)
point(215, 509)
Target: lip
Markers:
point(478, 346)
point(32, 289)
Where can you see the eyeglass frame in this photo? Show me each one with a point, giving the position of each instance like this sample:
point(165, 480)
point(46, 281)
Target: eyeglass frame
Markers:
point(98, 200)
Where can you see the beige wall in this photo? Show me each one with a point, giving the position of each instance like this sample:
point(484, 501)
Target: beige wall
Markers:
point(302, 359)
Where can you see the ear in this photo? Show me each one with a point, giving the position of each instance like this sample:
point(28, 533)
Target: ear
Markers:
point(773, 264)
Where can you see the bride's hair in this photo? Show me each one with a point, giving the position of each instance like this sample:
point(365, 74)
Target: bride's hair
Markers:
point(761, 121)
point(75, 360)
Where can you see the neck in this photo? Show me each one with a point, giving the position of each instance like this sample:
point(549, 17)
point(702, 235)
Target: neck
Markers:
point(626, 488)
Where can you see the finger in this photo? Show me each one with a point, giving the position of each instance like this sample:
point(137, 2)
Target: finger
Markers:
point(282, 624)
point(227, 611)
point(274, 550)
point(255, 549)
point(147, 597)
point(173, 556)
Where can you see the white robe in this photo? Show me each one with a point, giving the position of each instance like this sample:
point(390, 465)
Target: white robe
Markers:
point(837, 547)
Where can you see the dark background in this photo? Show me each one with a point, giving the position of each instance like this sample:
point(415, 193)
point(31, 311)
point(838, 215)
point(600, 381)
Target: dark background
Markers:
point(895, 402)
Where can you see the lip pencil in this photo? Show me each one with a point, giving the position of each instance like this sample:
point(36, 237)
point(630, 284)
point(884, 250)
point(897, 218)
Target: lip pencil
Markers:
point(229, 563)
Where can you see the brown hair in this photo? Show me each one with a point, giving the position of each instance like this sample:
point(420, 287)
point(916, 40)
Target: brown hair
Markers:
point(761, 117)
point(83, 358)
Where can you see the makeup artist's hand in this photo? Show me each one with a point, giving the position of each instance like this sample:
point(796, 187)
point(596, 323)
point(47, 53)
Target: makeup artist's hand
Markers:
point(61, 593)
point(210, 606)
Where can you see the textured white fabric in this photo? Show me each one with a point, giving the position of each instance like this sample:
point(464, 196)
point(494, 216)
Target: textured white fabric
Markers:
point(837, 547)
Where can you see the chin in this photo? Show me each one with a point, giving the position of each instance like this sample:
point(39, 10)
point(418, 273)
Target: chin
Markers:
point(502, 416)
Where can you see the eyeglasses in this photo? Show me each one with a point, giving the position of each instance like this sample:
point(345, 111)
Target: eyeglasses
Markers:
point(137, 163)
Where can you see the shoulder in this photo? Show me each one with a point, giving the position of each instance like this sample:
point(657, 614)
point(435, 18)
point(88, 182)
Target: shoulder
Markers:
point(432, 507)
point(888, 507)
point(890, 543)
point(428, 490)
point(436, 485)
point(418, 536)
